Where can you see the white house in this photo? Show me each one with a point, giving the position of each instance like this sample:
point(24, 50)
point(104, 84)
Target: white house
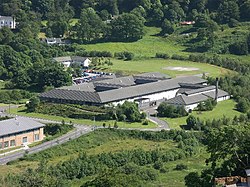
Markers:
point(67, 61)
point(7, 21)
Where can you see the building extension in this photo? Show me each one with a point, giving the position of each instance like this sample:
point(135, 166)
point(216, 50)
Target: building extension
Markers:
point(19, 131)
point(144, 89)
point(67, 61)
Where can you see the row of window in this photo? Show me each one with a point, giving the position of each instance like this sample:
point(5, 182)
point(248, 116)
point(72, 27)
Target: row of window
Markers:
point(6, 144)
point(2, 22)
point(12, 143)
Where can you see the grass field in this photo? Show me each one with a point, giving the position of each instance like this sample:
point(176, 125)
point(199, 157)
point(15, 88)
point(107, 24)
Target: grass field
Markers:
point(21, 111)
point(159, 65)
point(148, 46)
point(224, 108)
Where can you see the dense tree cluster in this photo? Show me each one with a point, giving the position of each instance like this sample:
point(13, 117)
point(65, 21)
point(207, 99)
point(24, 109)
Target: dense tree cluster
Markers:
point(171, 111)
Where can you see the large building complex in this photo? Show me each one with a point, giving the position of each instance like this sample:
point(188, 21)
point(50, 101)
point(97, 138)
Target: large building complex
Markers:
point(7, 21)
point(145, 89)
point(19, 131)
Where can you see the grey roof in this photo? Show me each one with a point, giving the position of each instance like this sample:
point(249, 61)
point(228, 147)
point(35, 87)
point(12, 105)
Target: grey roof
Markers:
point(70, 59)
point(157, 75)
point(17, 125)
point(6, 18)
point(200, 90)
point(126, 89)
point(187, 100)
point(78, 58)
point(71, 95)
point(138, 90)
point(122, 81)
point(87, 87)
point(63, 59)
point(190, 80)
point(221, 93)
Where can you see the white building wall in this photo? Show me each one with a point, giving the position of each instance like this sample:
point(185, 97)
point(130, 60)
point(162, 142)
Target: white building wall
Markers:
point(223, 98)
point(191, 107)
point(7, 22)
point(86, 63)
point(152, 97)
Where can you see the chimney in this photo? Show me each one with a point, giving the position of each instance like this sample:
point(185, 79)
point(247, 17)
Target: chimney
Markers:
point(216, 89)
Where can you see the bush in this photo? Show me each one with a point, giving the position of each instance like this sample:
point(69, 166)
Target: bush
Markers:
point(145, 122)
point(171, 111)
point(181, 167)
point(124, 55)
point(162, 55)
point(178, 57)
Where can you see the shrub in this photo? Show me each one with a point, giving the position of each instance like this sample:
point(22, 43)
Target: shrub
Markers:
point(178, 57)
point(124, 55)
point(181, 167)
point(162, 55)
point(145, 122)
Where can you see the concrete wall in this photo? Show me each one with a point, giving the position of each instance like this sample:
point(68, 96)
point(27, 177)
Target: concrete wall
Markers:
point(19, 138)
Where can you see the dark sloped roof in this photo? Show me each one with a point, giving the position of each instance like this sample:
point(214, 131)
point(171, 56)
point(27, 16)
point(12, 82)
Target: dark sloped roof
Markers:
point(221, 93)
point(190, 80)
point(153, 75)
point(138, 90)
point(72, 95)
point(121, 81)
point(200, 90)
point(187, 100)
point(88, 87)
point(18, 124)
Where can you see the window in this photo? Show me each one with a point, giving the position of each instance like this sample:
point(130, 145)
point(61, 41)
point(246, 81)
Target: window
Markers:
point(25, 139)
point(1, 145)
point(6, 144)
point(12, 143)
point(36, 137)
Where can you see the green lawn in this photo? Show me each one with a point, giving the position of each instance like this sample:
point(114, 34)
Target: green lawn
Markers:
point(224, 108)
point(148, 46)
point(175, 178)
point(21, 111)
point(160, 65)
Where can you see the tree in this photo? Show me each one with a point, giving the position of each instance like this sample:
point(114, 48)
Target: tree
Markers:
point(58, 28)
point(127, 27)
point(167, 27)
point(191, 121)
point(32, 104)
point(128, 111)
point(244, 10)
point(90, 26)
point(229, 146)
point(239, 48)
point(193, 180)
point(228, 9)
point(243, 105)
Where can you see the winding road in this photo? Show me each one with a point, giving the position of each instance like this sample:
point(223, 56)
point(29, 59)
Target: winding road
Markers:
point(79, 131)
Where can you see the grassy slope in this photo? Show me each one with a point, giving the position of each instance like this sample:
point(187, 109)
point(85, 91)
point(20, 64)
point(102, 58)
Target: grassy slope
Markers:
point(146, 47)
point(225, 108)
point(158, 65)
point(21, 111)
point(100, 141)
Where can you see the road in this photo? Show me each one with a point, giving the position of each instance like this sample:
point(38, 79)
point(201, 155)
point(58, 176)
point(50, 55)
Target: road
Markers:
point(79, 131)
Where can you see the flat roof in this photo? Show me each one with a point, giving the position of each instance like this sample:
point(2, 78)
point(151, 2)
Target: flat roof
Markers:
point(18, 125)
